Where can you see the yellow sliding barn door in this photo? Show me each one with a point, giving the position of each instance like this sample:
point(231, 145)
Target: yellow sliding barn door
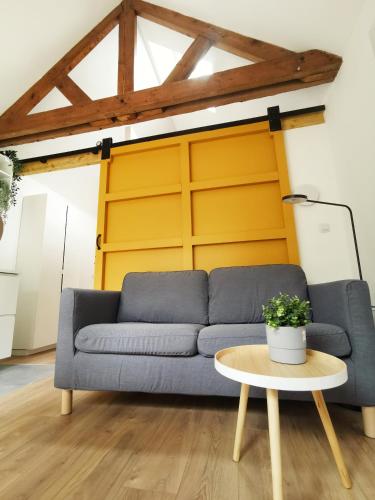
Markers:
point(195, 201)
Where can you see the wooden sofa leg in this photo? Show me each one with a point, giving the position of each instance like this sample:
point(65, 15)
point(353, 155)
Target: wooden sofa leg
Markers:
point(368, 415)
point(66, 401)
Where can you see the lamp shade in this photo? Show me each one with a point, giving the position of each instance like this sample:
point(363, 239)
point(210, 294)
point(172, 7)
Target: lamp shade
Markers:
point(294, 199)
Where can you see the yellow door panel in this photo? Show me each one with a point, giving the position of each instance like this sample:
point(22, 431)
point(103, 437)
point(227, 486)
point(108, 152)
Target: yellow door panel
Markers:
point(117, 264)
point(156, 217)
point(240, 254)
point(145, 168)
point(200, 200)
point(238, 155)
point(236, 209)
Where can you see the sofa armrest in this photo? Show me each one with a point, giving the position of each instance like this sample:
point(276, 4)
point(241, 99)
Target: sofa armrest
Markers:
point(79, 308)
point(347, 304)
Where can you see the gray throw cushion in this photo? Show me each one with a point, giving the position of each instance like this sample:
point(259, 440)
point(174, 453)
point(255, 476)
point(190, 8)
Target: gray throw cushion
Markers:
point(236, 294)
point(166, 297)
point(139, 338)
point(323, 337)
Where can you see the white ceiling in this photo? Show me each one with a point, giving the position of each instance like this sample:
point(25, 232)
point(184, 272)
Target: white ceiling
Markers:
point(294, 24)
point(38, 33)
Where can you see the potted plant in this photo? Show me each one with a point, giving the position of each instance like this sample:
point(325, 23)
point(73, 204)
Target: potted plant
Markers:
point(286, 318)
point(10, 168)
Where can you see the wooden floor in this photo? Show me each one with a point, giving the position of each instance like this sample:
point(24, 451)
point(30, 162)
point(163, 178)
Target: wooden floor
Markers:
point(40, 358)
point(151, 447)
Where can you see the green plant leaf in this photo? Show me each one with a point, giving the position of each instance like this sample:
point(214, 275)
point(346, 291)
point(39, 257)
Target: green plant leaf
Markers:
point(14, 186)
point(286, 310)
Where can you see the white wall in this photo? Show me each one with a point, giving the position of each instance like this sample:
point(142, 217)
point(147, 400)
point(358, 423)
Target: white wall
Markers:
point(80, 249)
point(310, 162)
point(351, 127)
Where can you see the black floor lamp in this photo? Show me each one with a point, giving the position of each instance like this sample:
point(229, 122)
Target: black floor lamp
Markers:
point(295, 199)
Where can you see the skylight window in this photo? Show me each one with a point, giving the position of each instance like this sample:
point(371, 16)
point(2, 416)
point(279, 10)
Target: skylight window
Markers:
point(203, 68)
point(165, 59)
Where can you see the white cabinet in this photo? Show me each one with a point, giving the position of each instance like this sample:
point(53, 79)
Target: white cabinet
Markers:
point(47, 230)
point(39, 265)
point(8, 301)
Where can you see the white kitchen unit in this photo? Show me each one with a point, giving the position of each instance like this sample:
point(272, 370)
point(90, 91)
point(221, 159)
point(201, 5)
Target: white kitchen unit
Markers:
point(39, 265)
point(8, 304)
point(56, 248)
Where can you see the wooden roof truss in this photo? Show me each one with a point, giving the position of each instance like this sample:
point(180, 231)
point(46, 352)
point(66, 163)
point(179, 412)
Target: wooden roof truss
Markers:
point(272, 70)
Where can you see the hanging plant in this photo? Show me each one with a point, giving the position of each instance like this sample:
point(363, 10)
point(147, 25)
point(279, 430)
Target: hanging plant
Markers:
point(17, 167)
point(9, 187)
point(4, 197)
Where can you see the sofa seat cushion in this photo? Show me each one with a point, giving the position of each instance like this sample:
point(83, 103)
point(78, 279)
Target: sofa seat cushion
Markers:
point(236, 294)
point(139, 338)
point(165, 297)
point(320, 336)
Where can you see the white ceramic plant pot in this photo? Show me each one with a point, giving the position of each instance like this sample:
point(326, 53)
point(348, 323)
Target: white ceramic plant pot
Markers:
point(287, 344)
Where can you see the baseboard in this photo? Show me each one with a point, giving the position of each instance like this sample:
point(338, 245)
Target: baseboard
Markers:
point(28, 352)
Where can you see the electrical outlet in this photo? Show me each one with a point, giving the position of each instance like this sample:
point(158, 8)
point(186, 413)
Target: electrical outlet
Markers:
point(324, 228)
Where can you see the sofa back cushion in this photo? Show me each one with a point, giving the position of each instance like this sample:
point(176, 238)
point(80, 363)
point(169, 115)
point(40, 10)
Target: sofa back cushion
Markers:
point(331, 339)
point(165, 297)
point(236, 294)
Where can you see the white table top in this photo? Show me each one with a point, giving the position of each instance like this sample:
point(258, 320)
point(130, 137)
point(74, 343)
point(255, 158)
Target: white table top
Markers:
point(250, 364)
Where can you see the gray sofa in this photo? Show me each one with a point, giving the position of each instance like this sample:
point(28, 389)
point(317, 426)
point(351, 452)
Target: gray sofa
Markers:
point(161, 332)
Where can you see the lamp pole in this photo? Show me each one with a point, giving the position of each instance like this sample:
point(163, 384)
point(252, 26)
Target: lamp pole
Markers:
point(353, 228)
point(294, 199)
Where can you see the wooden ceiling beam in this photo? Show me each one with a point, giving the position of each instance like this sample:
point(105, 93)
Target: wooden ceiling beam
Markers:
point(61, 163)
point(61, 132)
point(72, 91)
point(189, 60)
point(127, 46)
point(240, 45)
point(245, 95)
point(290, 68)
point(279, 70)
point(43, 86)
point(174, 110)
point(185, 65)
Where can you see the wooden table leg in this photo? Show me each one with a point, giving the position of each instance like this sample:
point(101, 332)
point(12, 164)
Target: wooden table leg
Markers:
point(331, 435)
point(274, 432)
point(240, 421)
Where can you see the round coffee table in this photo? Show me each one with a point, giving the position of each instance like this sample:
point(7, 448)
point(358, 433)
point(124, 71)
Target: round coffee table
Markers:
point(250, 365)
